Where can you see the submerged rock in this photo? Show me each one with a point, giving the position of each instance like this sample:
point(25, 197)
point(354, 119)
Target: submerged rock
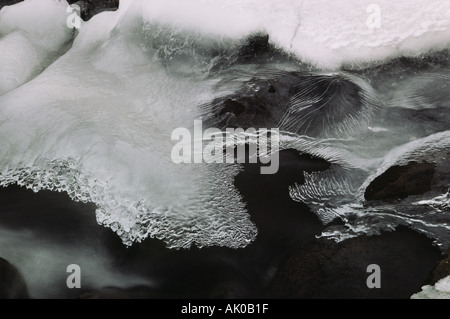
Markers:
point(12, 284)
point(312, 104)
point(399, 182)
point(326, 269)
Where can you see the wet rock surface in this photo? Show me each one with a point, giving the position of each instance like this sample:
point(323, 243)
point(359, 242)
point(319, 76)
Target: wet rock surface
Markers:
point(399, 182)
point(12, 284)
point(442, 270)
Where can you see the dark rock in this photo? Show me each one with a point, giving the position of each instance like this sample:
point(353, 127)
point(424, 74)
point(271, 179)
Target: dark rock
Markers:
point(254, 49)
point(442, 270)
point(85, 9)
point(12, 284)
point(8, 2)
point(272, 89)
point(231, 106)
point(89, 8)
point(254, 46)
point(399, 182)
point(326, 269)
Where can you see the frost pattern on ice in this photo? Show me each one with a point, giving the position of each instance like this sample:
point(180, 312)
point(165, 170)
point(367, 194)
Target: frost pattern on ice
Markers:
point(326, 193)
point(338, 193)
point(96, 123)
point(212, 222)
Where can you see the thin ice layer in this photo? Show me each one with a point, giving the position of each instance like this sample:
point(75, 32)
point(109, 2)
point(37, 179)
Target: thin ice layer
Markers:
point(97, 123)
point(339, 194)
point(109, 105)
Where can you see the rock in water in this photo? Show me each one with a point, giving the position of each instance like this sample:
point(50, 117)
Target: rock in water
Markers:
point(12, 285)
point(326, 269)
point(312, 104)
point(399, 182)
